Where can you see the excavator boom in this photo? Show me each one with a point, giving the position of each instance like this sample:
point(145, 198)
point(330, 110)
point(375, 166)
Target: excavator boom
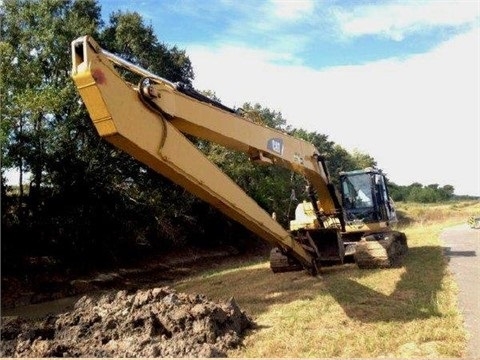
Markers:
point(150, 122)
point(152, 132)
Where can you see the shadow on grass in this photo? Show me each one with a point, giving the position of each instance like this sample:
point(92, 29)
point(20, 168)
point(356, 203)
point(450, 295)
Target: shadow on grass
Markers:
point(403, 219)
point(414, 296)
point(257, 290)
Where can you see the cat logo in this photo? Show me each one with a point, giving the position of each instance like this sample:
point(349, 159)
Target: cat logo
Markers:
point(275, 145)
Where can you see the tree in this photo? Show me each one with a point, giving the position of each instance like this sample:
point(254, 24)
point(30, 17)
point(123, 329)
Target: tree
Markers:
point(446, 192)
point(363, 160)
point(36, 37)
point(128, 36)
point(397, 192)
point(264, 116)
point(269, 186)
point(38, 104)
point(417, 192)
point(86, 199)
point(338, 159)
point(273, 187)
point(320, 141)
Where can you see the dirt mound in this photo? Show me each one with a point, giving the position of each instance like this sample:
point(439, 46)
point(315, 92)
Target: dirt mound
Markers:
point(149, 323)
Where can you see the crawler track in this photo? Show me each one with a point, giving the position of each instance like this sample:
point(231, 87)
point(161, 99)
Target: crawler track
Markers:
point(381, 250)
point(280, 262)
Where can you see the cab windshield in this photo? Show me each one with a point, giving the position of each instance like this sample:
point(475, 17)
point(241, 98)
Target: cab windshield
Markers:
point(357, 191)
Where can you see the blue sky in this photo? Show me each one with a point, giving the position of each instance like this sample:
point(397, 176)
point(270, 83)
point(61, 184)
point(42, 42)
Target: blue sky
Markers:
point(313, 33)
point(396, 79)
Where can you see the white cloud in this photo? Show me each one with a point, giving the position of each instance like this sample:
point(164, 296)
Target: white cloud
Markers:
point(396, 20)
point(292, 9)
point(419, 116)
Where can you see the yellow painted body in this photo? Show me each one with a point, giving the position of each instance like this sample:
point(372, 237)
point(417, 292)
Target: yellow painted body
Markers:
point(305, 219)
point(156, 138)
point(123, 120)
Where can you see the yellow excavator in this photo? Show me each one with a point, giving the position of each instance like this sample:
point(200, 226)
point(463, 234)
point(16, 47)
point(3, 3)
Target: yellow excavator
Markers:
point(149, 121)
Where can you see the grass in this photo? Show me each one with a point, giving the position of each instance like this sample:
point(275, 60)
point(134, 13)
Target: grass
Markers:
point(443, 213)
point(346, 312)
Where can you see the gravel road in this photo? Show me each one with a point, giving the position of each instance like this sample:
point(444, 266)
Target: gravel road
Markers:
point(462, 248)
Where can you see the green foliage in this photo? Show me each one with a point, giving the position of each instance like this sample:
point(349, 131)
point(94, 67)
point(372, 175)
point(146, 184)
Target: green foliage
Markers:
point(274, 188)
point(270, 186)
point(85, 202)
point(127, 36)
point(363, 160)
point(38, 97)
point(419, 193)
point(337, 158)
point(264, 116)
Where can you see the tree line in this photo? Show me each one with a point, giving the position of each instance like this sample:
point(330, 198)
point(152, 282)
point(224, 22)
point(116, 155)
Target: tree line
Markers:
point(419, 193)
point(79, 200)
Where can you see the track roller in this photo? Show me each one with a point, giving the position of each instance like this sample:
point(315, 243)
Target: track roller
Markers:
point(384, 250)
point(279, 262)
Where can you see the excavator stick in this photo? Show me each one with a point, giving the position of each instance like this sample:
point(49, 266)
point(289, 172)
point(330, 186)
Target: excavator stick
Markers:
point(152, 137)
point(150, 122)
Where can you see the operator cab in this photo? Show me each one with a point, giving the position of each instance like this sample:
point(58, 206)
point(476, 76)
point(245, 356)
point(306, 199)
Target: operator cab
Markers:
point(365, 196)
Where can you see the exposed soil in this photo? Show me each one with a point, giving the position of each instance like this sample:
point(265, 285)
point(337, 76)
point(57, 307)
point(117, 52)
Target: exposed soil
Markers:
point(127, 312)
point(156, 322)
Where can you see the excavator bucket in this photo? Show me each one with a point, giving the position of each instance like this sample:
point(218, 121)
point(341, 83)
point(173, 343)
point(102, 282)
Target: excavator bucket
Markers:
point(325, 245)
point(329, 244)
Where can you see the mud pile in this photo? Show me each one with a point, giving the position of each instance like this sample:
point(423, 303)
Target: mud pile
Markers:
point(149, 323)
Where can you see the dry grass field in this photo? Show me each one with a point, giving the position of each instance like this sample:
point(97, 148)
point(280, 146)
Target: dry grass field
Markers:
point(346, 312)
